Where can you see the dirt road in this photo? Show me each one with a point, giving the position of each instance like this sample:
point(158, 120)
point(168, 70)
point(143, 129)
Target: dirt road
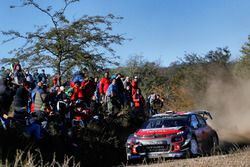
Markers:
point(236, 158)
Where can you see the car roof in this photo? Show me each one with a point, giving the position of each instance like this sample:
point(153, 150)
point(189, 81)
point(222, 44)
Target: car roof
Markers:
point(170, 113)
point(178, 113)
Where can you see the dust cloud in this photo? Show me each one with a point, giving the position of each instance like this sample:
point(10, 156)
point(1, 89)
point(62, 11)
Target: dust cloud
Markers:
point(229, 103)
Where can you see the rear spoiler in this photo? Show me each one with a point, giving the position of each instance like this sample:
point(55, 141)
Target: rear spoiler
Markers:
point(204, 113)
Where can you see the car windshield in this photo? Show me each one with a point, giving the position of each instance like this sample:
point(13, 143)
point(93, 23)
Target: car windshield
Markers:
point(166, 122)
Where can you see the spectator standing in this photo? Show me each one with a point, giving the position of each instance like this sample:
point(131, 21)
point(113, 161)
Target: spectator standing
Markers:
point(36, 77)
point(29, 79)
point(2, 73)
point(61, 95)
point(139, 102)
point(112, 97)
point(7, 75)
point(6, 98)
point(19, 76)
point(128, 100)
point(20, 104)
point(104, 85)
point(157, 104)
point(150, 101)
point(56, 80)
point(127, 82)
point(87, 89)
point(134, 85)
point(97, 87)
point(120, 88)
point(43, 77)
point(77, 93)
point(41, 104)
point(39, 90)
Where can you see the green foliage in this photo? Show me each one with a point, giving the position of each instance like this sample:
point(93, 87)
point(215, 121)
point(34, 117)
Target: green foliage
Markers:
point(185, 82)
point(65, 45)
point(198, 71)
point(150, 74)
point(242, 67)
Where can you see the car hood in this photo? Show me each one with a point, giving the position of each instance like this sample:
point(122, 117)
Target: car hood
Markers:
point(158, 131)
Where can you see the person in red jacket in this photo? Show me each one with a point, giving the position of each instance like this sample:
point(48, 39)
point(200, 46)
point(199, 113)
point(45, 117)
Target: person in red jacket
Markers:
point(104, 84)
point(138, 100)
point(139, 103)
point(134, 85)
point(87, 89)
point(56, 80)
point(77, 92)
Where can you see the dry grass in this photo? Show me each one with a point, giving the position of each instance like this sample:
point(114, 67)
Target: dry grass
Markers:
point(36, 160)
point(237, 158)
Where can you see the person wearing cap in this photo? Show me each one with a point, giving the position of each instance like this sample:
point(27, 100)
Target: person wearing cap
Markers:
point(61, 102)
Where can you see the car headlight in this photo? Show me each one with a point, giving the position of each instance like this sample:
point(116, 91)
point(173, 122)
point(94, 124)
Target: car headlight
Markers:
point(180, 133)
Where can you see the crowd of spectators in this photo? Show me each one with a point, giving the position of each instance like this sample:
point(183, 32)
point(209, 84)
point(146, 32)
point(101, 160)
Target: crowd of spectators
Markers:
point(35, 99)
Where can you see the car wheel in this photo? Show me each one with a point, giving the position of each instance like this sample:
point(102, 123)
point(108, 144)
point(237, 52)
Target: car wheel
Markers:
point(194, 147)
point(215, 145)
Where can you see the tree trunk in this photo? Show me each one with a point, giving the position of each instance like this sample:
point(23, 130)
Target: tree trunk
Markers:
point(59, 73)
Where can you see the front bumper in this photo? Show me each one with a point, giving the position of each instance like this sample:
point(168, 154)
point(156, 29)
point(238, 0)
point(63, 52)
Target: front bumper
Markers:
point(156, 155)
point(167, 150)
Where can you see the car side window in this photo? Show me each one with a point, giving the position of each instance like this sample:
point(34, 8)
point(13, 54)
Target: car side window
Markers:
point(194, 122)
point(201, 120)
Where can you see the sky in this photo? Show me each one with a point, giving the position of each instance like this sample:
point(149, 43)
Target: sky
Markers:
point(161, 30)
